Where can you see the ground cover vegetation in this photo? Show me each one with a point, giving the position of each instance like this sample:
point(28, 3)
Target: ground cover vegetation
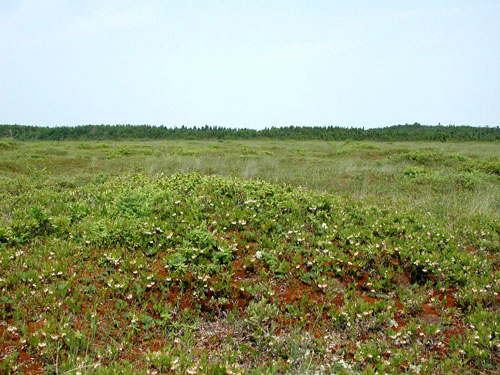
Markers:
point(249, 257)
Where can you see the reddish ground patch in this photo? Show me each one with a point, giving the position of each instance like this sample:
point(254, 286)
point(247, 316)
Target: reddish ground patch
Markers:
point(10, 343)
point(295, 291)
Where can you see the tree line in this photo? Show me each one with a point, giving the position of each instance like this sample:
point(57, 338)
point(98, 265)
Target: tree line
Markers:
point(407, 132)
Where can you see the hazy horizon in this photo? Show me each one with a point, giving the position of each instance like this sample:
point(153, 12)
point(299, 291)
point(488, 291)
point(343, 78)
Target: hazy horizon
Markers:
point(262, 128)
point(249, 65)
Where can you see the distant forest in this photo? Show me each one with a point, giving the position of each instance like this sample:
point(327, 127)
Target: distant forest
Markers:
point(414, 132)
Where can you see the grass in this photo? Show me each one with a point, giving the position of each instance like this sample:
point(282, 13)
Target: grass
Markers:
point(249, 257)
point(458, 185)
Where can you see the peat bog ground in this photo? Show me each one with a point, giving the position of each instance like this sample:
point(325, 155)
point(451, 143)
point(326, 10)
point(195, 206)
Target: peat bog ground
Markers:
point(249, 257)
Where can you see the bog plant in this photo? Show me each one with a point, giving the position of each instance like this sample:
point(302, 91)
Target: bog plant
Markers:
point(188, 273)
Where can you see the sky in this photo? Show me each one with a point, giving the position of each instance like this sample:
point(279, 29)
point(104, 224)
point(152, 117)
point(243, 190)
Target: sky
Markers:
point(250, 64)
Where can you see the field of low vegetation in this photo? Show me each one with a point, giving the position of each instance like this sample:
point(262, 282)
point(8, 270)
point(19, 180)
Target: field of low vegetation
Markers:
point(249, 257)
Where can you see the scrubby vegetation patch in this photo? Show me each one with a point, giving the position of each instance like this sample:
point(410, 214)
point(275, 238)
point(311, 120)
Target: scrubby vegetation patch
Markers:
point(204, 274)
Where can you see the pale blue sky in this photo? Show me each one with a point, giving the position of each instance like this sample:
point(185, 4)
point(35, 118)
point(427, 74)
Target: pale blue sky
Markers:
point(250, 63)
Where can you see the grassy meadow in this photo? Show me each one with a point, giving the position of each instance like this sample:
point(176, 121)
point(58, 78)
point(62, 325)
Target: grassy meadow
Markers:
point(249, 257)
point(456, 178)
